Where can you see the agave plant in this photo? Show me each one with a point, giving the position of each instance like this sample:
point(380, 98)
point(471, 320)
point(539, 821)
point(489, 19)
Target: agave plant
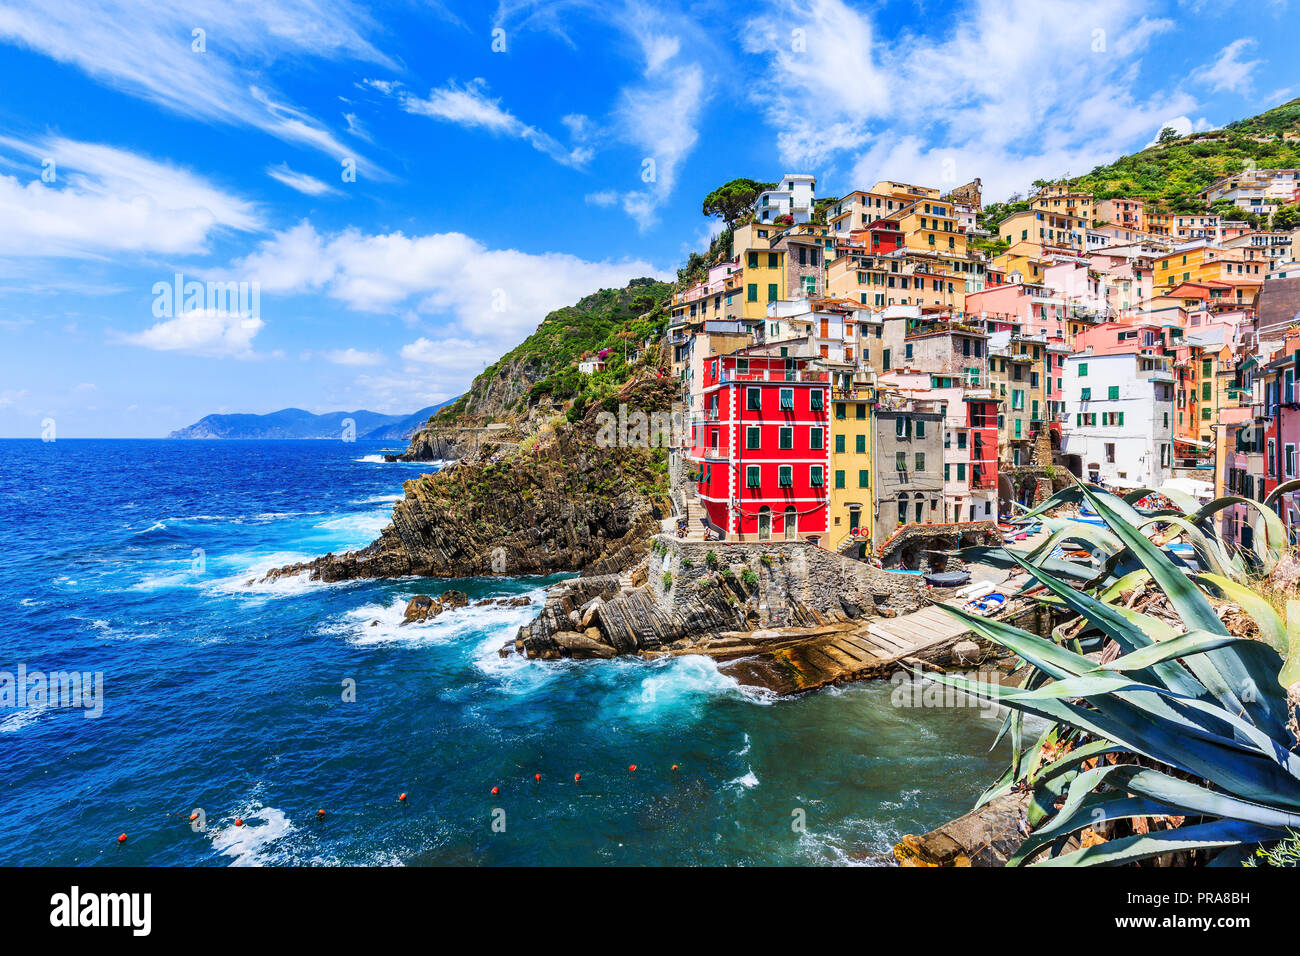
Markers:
point(1192, 727)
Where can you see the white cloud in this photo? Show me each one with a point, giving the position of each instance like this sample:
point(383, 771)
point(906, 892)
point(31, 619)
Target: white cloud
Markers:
point(105, 200)
point(1011, 91)
point(148, 51)
point(1228, 73)
point(206, 332)
point(352, 356)
point(469, 105)
point(468, 300)
point(308, 185)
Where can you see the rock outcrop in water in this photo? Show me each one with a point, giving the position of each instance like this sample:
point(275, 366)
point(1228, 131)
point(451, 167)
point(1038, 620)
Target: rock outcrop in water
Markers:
point(562, 501)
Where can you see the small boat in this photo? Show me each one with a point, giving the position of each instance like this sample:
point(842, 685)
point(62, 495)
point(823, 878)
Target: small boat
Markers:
point(987, 605)
point(947, 579)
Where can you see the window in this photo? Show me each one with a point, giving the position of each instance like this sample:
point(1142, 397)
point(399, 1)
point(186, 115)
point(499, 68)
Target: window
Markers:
point(1205, 413)
point(947, 472)
point(1290, 461)
point(816, 400)
point(902, 510)
point(884, 360)
point(840, 410)
point(839, 444)
point(1110, 452)
point(839, 479)
point(785, 439)
point(920, 429)
point(900, 461)
point(1085, 394)
point(861, 412)
point(860, 444)
point(815, 476)
point(787, 399)
point(751, 292)
point(864, 478)
point(752, 476)
point(1083, 369)
point(920, 461)
point(1018, 427)
point(907, 350)
point(1205, 391)
point(785, 476)
point(961, 471)
point(815, 439)
point(771, 292)
point(753, 260)
point(773, 260)
point(1112, 392)
point(752, 433)
point(754, 399)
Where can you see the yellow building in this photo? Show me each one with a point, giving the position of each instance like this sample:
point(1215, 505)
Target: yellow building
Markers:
point(1057, 229)
point(1061, 198)
point(762, 281)
point(851, 454)
point(1207, 264)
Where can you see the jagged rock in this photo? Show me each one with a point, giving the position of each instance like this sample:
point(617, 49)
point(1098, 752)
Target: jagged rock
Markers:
point(522, 600)
point(420, 608)
point(984, 837)
point(966, 652)
point(583, 646)
point(453, 598)
point(588, 611)
point(572, 504)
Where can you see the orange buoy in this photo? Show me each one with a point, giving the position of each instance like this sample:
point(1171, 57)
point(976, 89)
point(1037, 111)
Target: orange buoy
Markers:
point(320, 813)
point(632, 768)
point(122, 838)
point(577, 778)
point(402, 798)
point(193, 817)
point(674, 766)
point(537, 777)
point(239, 821)
point(495, 791)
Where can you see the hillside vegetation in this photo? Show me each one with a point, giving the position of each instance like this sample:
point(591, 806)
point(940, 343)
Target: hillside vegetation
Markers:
point(1174, 172)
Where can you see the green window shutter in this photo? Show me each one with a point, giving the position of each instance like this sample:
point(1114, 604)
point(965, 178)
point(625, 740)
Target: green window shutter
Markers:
point(839, 479)
point(900, 461)
point(815, 439)
point(817, 400)
point(1121, 419)
point(947, 472)
point(771, 292)
point(920, 461)
point(1083, 369)
point(754, 399)
point(787, 399)
point(861, 412)
point(815, 476)
point(920, 429)
point(864, 478)
point(786, 439)
point(752, 476)
point(839, 444)
point(839, 410)
point(1205, 392)
point(1112, 393)
point(961, 471)
point(752, 437)
point(751, 292)
point(785, 476)
point(860, 444)
point(1085, 394)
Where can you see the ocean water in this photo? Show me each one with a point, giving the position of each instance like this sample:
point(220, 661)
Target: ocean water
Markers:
point(132, 559)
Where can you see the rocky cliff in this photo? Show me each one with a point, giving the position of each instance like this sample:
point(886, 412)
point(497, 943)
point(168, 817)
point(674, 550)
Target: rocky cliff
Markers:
point(562, 500)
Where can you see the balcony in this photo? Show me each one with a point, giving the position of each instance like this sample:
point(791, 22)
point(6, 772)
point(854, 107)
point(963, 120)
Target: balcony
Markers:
point(776, 375)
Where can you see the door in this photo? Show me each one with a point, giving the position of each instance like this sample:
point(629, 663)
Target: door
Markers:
point(765, 524)
point(791, 524)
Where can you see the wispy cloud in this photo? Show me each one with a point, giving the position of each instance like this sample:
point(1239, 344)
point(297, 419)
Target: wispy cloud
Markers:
point(470, 105)
point(1229, 72)
point(100, 200)
point(209, 333)
point(307, 185)
point(180, 55)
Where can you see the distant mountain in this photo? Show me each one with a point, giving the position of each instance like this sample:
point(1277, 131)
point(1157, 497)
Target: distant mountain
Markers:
point(297, 423)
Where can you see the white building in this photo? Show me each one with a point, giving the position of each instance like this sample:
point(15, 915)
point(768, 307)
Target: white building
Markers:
point(793, 196)
point(1118, 418)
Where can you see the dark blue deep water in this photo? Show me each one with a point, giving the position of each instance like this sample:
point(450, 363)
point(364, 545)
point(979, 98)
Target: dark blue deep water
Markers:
point(132, 558)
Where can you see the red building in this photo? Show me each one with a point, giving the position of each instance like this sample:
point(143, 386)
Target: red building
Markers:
point(763, 448)
point(982, 419)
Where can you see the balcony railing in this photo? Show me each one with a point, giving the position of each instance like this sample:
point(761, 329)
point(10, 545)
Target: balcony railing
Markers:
point(776, 375)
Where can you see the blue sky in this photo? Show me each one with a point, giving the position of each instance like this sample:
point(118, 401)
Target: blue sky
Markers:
point(492, 185)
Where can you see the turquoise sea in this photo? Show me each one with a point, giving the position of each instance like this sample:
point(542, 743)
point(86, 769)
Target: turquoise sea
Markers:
point(130, 559)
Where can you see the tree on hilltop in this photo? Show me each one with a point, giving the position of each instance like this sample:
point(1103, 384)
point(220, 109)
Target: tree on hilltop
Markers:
point(732, 200)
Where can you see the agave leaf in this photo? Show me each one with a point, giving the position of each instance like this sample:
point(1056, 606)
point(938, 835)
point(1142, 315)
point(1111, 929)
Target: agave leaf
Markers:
point(1100, 539)
point(1193, 642)
point(1220, 833)
point(1211, 553)
point(1290, 672)
point(1271, 628)
point(1283, 489)
point(1268, 547)
point(1128, 582)
point(1185, 502)
point(1194, 800)
point(1250, 775)
point(1073, 495)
